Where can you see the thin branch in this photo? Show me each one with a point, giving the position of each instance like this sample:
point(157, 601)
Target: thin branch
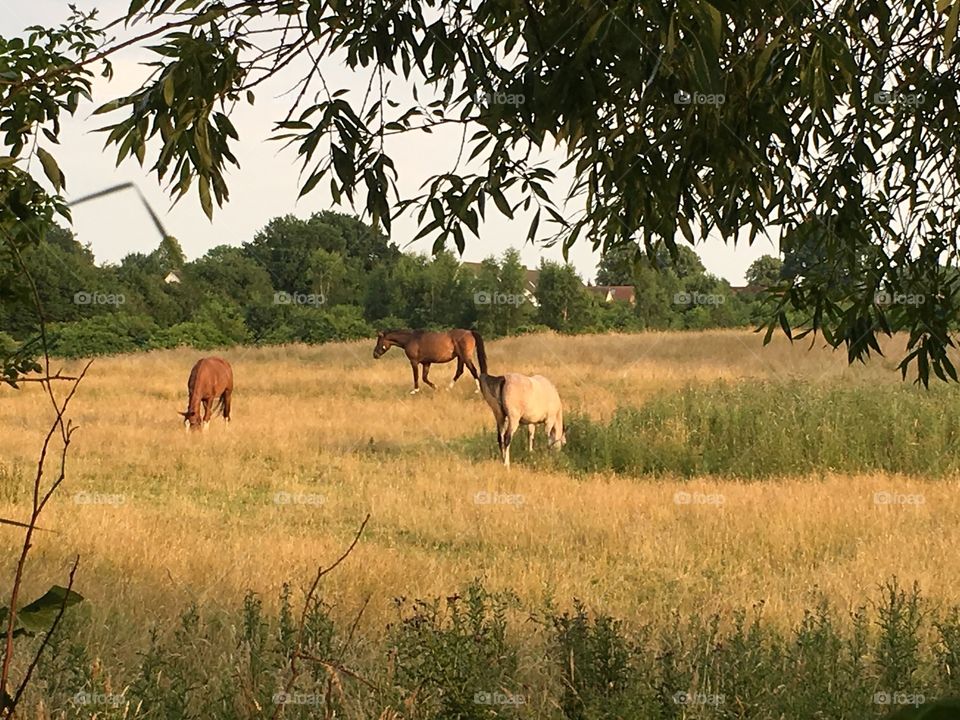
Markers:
point(308, 601)
point(49, 378)
point(103, 54)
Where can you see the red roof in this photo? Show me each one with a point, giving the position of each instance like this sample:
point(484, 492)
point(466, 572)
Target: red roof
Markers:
point(615, 293)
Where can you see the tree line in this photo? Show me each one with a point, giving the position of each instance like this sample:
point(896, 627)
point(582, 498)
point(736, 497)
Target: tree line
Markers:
point(333, 277)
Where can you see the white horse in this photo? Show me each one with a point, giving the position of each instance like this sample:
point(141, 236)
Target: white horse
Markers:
point(523, 400)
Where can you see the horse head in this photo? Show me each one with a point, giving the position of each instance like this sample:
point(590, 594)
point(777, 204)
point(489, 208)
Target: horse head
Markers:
point(383, 344)
point(191, 420)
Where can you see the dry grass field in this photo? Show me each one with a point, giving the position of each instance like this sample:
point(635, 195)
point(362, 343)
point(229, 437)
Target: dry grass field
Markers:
point(323, 435)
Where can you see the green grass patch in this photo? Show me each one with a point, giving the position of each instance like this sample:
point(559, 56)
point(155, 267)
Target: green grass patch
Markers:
point(761, 429)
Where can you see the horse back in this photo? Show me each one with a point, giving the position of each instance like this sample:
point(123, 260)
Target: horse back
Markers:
point(210, 377)
point(531, 398)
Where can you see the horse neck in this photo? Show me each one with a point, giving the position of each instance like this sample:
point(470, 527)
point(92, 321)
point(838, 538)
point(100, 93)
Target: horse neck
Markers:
point(399, 337)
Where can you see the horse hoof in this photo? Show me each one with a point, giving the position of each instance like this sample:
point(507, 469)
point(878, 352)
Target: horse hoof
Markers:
point(450, 386)
point(415, 391)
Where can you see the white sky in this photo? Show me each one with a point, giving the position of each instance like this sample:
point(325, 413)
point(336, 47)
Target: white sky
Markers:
point(267, 183)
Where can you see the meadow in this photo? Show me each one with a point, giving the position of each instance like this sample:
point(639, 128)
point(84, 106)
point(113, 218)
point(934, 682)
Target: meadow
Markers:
point(709, 502)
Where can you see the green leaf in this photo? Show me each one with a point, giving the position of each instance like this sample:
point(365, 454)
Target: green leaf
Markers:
point(501, 202)
point(203, 185)
point(51, 169)
point(950, 34)
point(168, 90)
point(39, 615)
point(109, 107)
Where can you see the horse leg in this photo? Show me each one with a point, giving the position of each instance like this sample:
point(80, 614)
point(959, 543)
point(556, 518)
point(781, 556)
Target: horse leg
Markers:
point(510, 427)
point(531, 431)
point(459, 371)
point(207, 412)
point(426, 369)
point(225, 399)
point(416, 378)
point(473, 371)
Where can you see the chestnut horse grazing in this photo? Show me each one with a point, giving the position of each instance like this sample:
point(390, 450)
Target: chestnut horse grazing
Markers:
point(521, 400)
point(425, 348)
point(210, 380)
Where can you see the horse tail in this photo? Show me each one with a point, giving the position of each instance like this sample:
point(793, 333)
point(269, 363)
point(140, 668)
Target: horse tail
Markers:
point(507, 434)
point(501, 384)
point(481, 352)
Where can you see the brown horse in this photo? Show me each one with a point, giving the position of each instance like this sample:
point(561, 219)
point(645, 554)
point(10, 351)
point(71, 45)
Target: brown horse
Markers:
point(210, 380)
point(425, 348)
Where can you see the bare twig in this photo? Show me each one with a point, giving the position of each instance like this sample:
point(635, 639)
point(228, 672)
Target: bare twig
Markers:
point(39, 502)
point(48, 378)
point(308, 601)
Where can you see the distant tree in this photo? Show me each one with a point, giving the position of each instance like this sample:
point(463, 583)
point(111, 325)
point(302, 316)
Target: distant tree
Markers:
point(656, 292)
point(65, 276)
point(618, 265)
point(518, 310)
point(141, 279)
point(169, 255)
point(765, 271)
point(485, 286)
point(445, 297)
point(226, 271)
point(327, 275)
point(564, 303)
point(502, 306)
point(284, 247)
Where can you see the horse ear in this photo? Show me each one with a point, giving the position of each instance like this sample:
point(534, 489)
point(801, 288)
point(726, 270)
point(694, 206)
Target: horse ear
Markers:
point(187, 414)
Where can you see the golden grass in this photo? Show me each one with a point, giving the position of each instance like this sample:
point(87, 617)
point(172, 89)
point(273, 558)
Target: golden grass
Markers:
point(199, 518)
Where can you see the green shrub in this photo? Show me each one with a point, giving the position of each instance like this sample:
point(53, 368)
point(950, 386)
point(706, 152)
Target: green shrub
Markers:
point(461, 660)
point(763, 429)
point(105, 334)
point(454, 660)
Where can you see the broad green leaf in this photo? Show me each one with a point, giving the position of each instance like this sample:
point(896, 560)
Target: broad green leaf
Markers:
point(51, 169)
point(39, 615)
point(168, 90)
point(203, 186)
